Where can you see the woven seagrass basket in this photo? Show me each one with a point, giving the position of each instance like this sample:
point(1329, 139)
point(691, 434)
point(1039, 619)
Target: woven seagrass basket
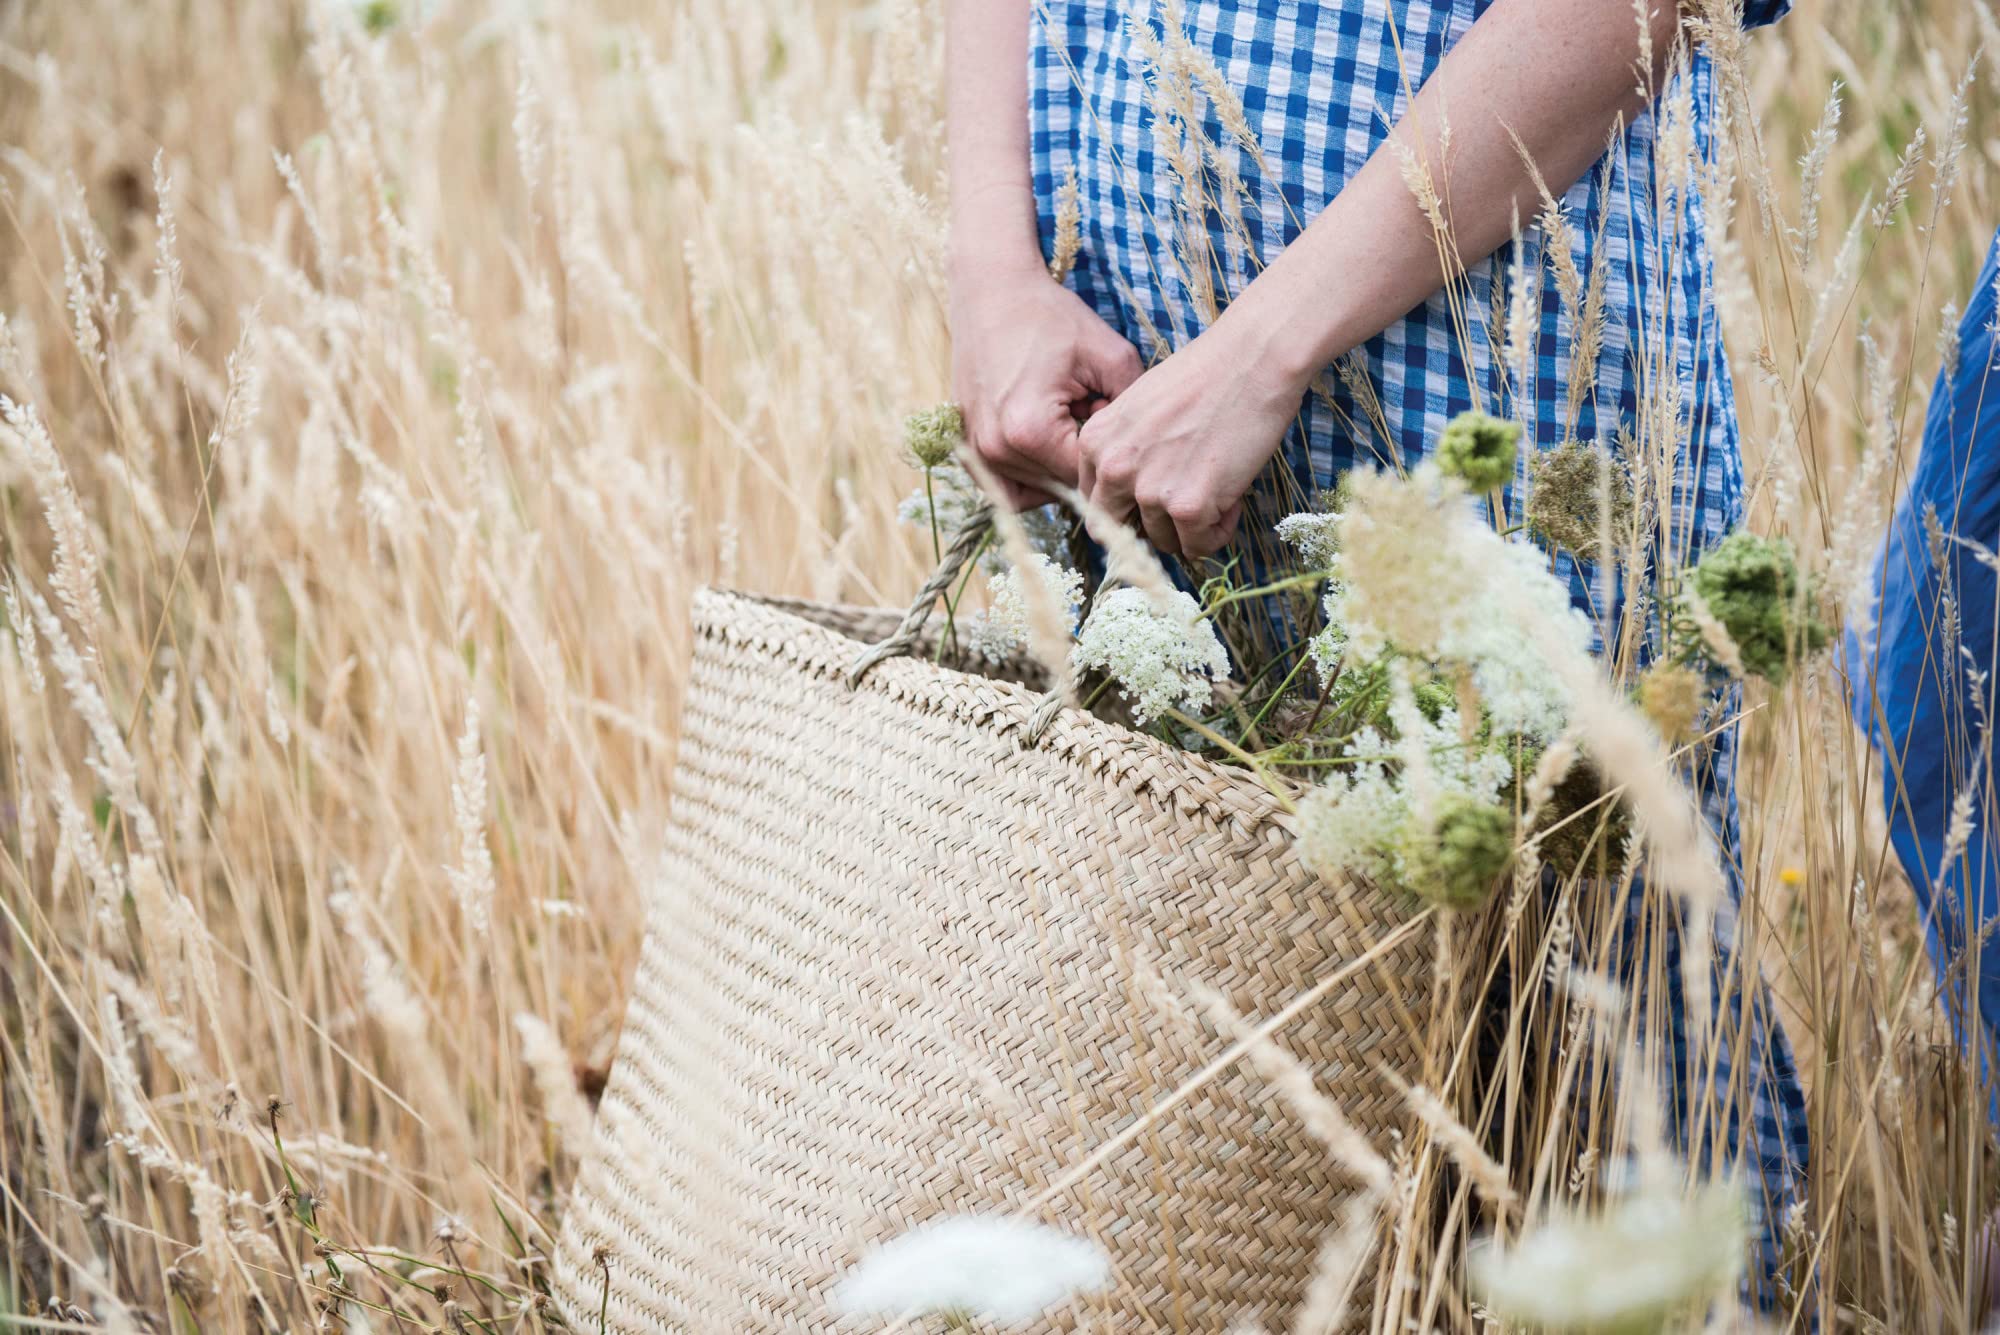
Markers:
point(902, 962)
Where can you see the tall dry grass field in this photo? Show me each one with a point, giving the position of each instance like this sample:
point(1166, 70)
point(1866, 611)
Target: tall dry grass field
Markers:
point(379, 386)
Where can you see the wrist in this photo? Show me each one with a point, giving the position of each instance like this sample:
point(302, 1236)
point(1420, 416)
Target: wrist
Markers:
point(1284, 342)
point(993, 232)
point(981, 258)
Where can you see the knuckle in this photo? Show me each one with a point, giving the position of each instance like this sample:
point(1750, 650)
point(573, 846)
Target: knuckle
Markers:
point(1020, 425)
point(1117, 467)
point(988, 445)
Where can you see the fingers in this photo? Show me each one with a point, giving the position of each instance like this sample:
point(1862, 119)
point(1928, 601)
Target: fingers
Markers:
point(1029, 446)
point(1160, 530)
point(1193, 529)
point(1107, 364)
point(1225, 531)
point(1021, 497)
point(1113, 475)
point(1204, 542)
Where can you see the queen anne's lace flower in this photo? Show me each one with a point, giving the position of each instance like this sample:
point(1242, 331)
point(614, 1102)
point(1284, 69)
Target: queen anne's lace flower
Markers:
point(1646, 1255)
point(950, 500)
point(1364, 817)
point(933, 434)
point(1567, 487)
point(1424, 574)
point(1161, 660)
point(972, 1267)
point(1313, 534)
point(1004, 627)
point(1456, 860)
point(1329, 644)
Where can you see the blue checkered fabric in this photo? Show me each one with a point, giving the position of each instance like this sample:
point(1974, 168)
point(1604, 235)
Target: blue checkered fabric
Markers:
point(1319, 82)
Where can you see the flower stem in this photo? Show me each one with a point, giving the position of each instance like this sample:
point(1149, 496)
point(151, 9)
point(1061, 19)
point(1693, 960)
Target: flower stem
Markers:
point(1304, 581)
point(1236, 752)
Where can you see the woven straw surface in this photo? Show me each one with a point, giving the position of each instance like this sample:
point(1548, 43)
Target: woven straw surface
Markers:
point(898, 965)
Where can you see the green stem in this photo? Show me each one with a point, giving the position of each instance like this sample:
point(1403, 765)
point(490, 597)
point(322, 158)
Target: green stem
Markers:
point(1279, 694)
point(454, 1269)
point(930, 503)
point(948, 637)
point(1273, 663)
point(1257, 766)
point(1279, 586)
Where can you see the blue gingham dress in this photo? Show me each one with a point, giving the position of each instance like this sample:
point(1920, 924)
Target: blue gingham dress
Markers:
point(1121, 95)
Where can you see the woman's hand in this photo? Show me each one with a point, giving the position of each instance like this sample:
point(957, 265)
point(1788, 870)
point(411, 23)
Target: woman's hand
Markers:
point(1183, 445)
point(1030, 361)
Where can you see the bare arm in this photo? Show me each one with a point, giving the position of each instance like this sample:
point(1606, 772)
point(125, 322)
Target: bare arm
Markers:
point(1029, 359)
point(1184, 444)
point(986, 130)
point(1558, 73)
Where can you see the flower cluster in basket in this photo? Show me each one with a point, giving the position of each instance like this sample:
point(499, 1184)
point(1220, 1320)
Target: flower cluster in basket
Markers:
point(1399, 666)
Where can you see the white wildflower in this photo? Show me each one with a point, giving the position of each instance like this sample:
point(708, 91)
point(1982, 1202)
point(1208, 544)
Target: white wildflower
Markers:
point(1160, 660)
point(1004, 627)
point(1328, 646)
point(1364, 817)
point(972, 1267)
point(1313, 534)
point(1423, 573)
point(1624, 1269)
point(949, 499)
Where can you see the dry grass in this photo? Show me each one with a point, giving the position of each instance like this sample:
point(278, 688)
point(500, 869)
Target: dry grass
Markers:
point(383, 397)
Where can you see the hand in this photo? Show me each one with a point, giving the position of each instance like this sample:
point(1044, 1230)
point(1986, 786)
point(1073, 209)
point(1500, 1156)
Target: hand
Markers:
point(1030, 361)
point(1183, 445)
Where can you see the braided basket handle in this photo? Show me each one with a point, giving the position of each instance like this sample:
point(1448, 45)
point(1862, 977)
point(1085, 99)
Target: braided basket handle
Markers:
point(964, 543)
point(967, 540)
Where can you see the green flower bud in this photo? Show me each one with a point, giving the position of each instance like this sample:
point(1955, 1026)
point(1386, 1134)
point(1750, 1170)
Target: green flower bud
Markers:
point(1480, 450)
point(1751, 586)
point(1469, 845)
point(933, 434)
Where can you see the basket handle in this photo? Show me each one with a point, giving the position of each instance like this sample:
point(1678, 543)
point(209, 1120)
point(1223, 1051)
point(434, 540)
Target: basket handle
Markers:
point(964, 543)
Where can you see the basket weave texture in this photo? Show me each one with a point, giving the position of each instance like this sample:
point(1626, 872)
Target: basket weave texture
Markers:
point(898, 964)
